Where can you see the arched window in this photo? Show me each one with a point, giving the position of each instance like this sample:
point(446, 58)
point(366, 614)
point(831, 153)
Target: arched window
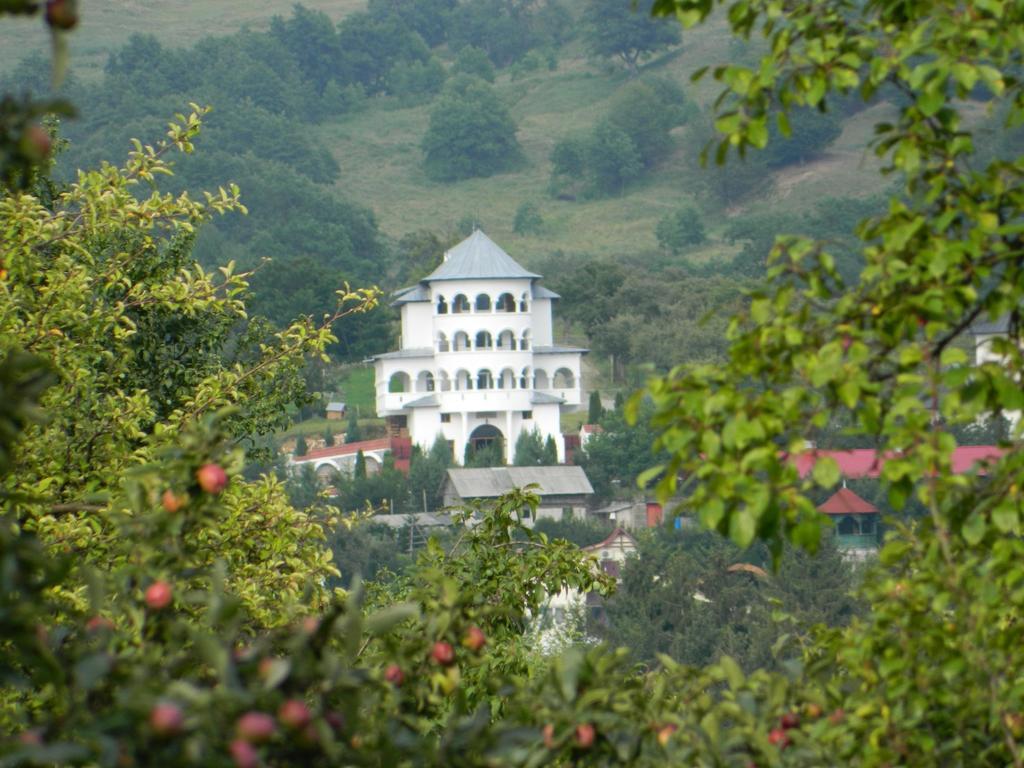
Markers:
point(564, 379)
point(524, 302)
point(483, 303)
point(444, 383)
point(463, 380)
point(425, 382)
point(505, 303)
point(460, 341)
point(525, 342)
point(507, 379)
point(442, 343)
point(399, 382)
point(442, 306)
point(484, 380)
point(460, 304)
point(540, 380)
point(507, 341)
point(526, 379)
point(484, 340)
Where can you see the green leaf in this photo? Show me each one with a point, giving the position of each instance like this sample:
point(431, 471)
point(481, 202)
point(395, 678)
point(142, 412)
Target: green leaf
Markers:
point(742, 528)
point(386, 619)
point(974, 528)
point(826, 472)
point(733, 673)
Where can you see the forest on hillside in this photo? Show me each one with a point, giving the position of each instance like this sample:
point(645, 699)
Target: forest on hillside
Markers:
point(462, 73)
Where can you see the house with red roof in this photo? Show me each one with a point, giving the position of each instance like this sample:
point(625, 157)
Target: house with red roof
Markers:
point(856, 522)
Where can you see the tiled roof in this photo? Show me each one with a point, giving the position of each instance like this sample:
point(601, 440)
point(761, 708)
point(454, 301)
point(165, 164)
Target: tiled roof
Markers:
point(618, 533)
point(413, 293)
point(347, 449)
point(478, 257)
point(846, 502)
point(543, 398)
point(555, 350)
point(866, 462)
point(490, 482)
point(999, 325)
point(403, 353)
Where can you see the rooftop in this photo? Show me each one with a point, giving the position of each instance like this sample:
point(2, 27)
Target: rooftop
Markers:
point(491, 482)
point(846, 502)
point(478, 257)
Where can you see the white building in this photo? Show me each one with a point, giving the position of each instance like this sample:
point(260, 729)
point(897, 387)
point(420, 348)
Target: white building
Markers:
point(477, 361)
point(985, 333)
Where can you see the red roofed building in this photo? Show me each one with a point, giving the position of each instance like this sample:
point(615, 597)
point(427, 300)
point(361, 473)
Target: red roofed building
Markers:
point(342, 458)
point(867, 462)
point(856, 522)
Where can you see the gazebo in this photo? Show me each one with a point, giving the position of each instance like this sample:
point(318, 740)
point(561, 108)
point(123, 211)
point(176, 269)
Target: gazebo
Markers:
point(856, 522)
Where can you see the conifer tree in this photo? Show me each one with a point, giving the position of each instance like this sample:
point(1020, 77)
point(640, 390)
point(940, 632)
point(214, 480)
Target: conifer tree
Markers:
point(301, 449)
point(595, 411)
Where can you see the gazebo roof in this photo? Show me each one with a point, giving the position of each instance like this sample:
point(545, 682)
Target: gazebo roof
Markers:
point(846, 502)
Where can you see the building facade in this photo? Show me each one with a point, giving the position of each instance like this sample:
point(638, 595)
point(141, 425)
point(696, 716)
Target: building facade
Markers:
point(477, 363)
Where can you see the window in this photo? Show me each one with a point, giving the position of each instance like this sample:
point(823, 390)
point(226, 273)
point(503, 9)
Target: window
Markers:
point(446, 418)
point(527, 415)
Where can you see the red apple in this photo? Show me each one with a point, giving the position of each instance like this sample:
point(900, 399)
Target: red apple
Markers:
point(166, 719)
point(36, 142)
point(837, 716)
point(585, 735)
point(294, 714)
point(310, 624)
point(171, 501)
point(549, 736)
point(394, 674)
point(98, 624)
point(255, 727)
point(159, 595)
point(665, 733)
point(778, 737)
point(475, 639)
point(789, 720)
point(212, 478)
point(813, 710)
point(61, 14)
point(443, 653)
point(244, 754)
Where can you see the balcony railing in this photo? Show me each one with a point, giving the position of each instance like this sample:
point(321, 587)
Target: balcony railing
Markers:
point(857, 541)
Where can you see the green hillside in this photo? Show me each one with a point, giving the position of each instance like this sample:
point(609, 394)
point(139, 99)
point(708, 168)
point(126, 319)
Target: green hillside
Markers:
point(378, 148)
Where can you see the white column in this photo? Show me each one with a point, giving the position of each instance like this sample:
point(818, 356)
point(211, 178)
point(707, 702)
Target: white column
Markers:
point(510, 439)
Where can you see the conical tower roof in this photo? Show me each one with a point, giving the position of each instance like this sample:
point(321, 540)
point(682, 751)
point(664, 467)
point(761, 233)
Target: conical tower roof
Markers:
point(478, 258)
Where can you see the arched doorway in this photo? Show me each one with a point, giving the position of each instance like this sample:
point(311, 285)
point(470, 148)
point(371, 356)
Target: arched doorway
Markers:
point(486, 447)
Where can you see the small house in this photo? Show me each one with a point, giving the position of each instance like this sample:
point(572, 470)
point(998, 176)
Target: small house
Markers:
point(563, 490)
point(335, 411)
point(856, 521)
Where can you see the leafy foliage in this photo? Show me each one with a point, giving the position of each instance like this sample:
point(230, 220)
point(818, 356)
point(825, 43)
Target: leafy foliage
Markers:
point(471, 133)
point(614, 29)
point(678, 230)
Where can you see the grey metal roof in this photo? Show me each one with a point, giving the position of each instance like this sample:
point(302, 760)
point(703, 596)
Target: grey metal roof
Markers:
point(543, 398)
point(540, 292)
point(402, 353)
point(430, 401)
point(488, 483)
point(417, 292)
point(1000, 325)
point(335, 406)
point(555, 350)
point(422, 519)
point(478, 257)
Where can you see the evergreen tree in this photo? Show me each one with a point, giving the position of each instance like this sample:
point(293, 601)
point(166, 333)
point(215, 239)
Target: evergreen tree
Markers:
point(301, 449)
point(328, 437)
point(529, 449)
point(353, 434)
point(550, 452)
point(359, 472)
point(595, 411)
point(620, 400)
